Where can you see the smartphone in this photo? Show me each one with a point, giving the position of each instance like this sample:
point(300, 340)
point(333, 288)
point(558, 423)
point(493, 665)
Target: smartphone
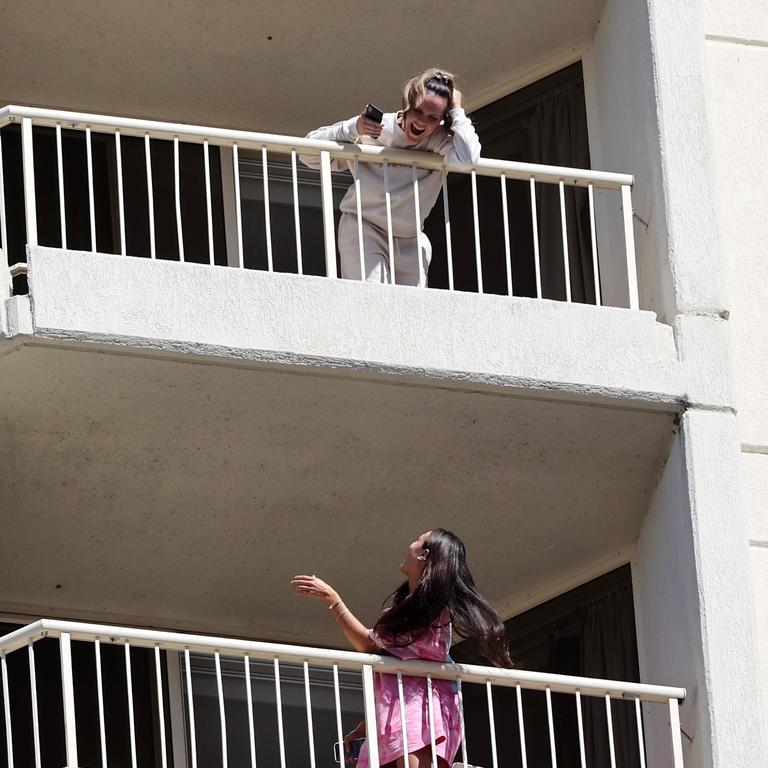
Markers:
point(373, 113)
point(354, 749)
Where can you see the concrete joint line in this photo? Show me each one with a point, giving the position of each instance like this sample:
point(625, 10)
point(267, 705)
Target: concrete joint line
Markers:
point(752, 448)
point(753, 42)
point(713, 313)
point(710, 408)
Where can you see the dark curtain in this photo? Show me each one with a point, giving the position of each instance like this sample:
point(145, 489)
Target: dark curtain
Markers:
point(588, 631)
point(557, 135)
point(544, 123)
point(609, 651)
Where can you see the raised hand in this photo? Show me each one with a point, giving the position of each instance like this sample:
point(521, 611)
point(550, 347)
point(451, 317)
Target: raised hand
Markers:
point(312, 586)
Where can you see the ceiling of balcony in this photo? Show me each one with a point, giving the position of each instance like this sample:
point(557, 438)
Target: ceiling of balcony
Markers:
point(284, 67)
point(183, 493)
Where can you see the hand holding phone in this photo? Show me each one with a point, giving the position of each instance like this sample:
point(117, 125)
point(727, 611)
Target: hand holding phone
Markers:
point(373, 113)
point(351, 754)
point(369, 122)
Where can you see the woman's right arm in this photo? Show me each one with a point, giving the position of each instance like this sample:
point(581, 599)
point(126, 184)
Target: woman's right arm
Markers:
point(354, 630)
point(347, 131)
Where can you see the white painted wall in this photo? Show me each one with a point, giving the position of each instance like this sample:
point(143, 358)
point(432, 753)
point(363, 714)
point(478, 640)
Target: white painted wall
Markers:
point(624, 134)
point(736, 50)
point(467, 337)
point(690, 576)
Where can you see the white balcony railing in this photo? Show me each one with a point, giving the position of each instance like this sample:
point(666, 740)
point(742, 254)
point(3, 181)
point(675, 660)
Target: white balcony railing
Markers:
point(236, 145)
point(85, 650)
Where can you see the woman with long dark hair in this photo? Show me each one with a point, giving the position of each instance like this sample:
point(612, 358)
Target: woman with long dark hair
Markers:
point(438, 596)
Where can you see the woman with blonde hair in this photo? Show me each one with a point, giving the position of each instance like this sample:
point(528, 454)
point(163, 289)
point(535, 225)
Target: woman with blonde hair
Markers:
point(431, 120)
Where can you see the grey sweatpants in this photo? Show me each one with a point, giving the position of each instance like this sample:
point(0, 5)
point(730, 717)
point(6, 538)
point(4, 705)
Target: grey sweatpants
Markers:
point(407, 251)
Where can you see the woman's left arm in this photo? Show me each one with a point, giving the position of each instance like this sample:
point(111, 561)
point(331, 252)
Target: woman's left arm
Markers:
point(462, 149)
point(354, 630)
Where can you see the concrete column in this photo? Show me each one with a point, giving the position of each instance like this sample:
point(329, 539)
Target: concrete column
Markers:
point(693, 598)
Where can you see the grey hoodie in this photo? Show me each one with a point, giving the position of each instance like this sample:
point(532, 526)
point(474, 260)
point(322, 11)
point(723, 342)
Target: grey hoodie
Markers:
point(460, 148)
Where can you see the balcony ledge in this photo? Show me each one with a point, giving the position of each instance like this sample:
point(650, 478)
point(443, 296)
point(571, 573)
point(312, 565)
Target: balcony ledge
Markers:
point(457, 339)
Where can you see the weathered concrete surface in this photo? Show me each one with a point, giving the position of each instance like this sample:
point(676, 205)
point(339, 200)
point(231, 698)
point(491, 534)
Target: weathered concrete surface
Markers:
point(269, 67)
point(457, 337)
point(177, 491)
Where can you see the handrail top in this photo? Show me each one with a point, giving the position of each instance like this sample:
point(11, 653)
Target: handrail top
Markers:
point(471, 673)
point(129, 126)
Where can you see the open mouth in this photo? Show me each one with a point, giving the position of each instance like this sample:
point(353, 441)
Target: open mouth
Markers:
point(417, 131)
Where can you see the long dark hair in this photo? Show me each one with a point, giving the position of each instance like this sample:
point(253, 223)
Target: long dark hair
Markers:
point(446, 583)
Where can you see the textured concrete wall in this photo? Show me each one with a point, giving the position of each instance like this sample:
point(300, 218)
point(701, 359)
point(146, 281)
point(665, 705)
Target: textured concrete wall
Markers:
point(459, 336)
point(690, 573)
point(736, 46)
point(624, 134)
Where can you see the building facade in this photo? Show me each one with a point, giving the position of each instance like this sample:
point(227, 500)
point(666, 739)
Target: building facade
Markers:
point(195, 407)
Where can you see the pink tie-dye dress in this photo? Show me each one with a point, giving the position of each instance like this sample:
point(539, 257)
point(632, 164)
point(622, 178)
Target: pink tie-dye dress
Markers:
point(432, 645)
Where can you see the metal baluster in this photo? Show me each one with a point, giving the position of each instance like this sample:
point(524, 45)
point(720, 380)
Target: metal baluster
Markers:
point(160, 706)
point(463, 725)
point(222, 713)
point(593, 230)
point(403, 725)
point(566, 263)
point(337, 699)
point(249, 697)
point(359, 201)
point(448, 244)
point(521, 725)
point(100, 697)
point(296, 215)
point(430, 704)
point(674, 725)
point(190, 709)
point(609, 717)
point(629, 245)
point(507, 249)
point(7, 710)
point(535, 228)
point(390, 239)
point(91, 203)
point(329, 225)
point(640, 739)
point(208, 206)
point(129, 686)
point(579, 718)
point(310, 729)
point(60, 173)
point(369, 704)
point(28, 164)
point(492, 724)
point(177, 189)
point(150, 197)
point(476, 217)
point(267, 215)
point(68, 698)
point(238, 210)
point(551, 724)
point(120, 191)
point(279, 704)
point(33, 694)
point(417, 212)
